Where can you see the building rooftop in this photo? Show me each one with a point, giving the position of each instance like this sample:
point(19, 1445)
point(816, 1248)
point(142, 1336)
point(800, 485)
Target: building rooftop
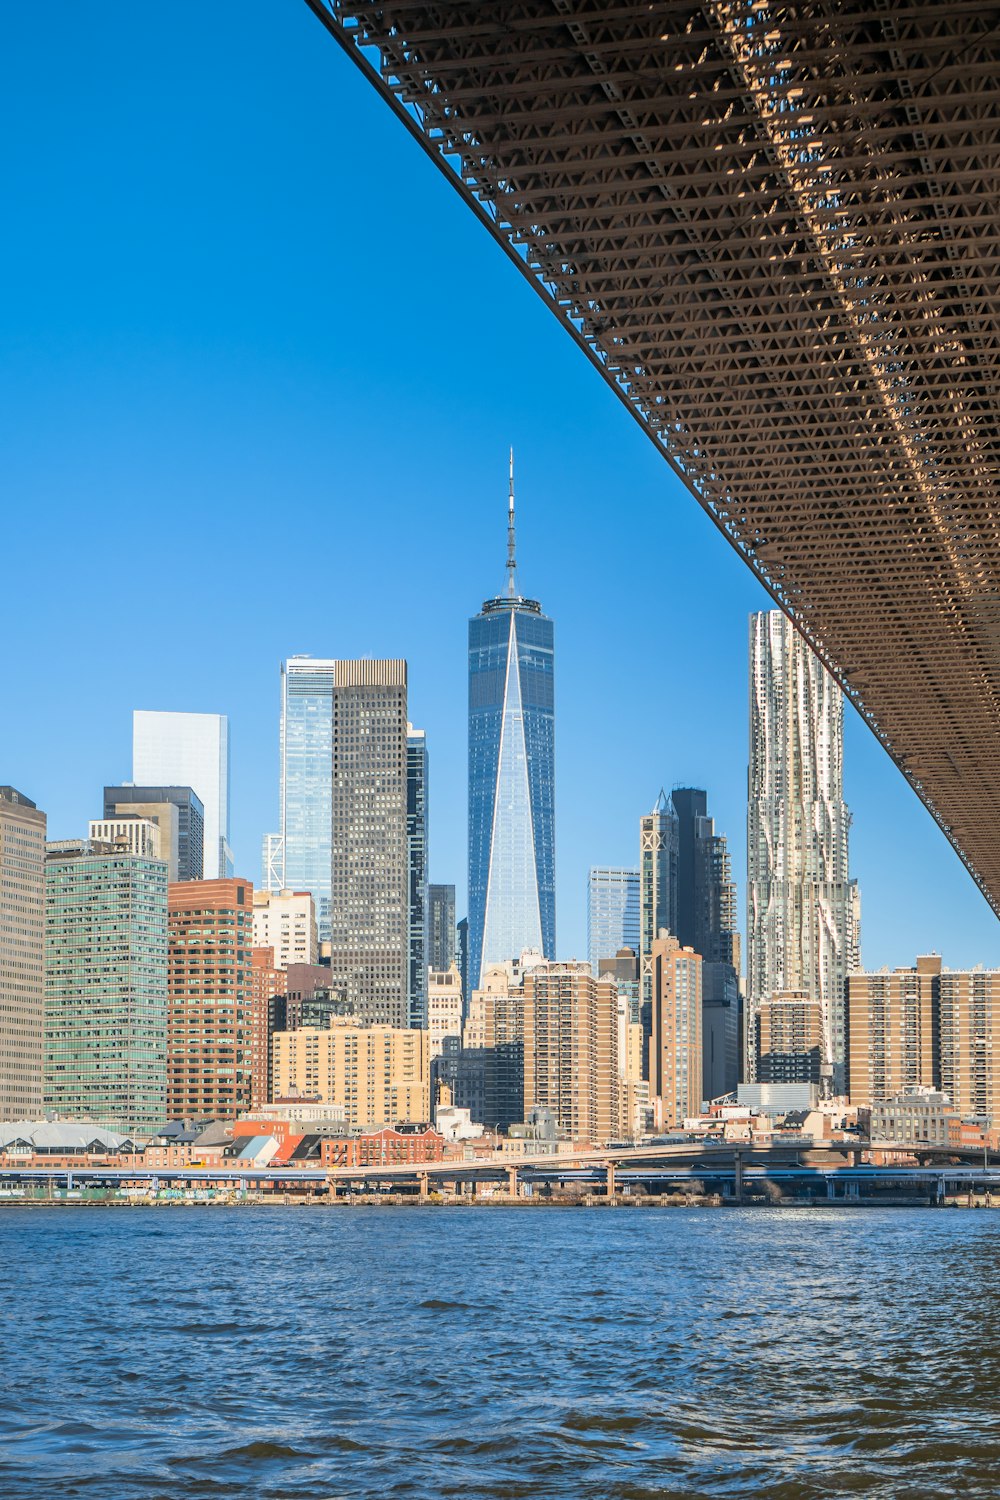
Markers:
point(11, 794)
point(61, 1136)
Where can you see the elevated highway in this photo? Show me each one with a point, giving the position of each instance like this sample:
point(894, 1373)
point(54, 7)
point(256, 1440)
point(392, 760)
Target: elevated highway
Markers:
point(733, 1165)
point(774, 230)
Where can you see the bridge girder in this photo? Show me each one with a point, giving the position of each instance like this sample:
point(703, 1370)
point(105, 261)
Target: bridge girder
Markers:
point(774, 227)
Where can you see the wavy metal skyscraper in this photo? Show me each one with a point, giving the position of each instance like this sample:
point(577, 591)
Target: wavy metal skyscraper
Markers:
point(803, 909)
point(512, 887)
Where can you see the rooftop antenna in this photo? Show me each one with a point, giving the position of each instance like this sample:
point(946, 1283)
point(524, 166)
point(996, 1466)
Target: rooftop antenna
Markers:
point(511, 560)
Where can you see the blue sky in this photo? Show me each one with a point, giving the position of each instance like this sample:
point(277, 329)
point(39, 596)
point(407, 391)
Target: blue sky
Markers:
point(259, 370)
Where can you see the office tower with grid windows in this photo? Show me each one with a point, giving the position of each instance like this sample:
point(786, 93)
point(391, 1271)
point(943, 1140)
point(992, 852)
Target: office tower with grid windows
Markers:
point(512, 895)
point(179, 815)
point(22, 955)
point(803, 909)
point(370, 853)
point(106, 984)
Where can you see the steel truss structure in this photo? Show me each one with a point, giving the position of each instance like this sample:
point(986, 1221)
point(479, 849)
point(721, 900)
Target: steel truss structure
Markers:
point(775, 229)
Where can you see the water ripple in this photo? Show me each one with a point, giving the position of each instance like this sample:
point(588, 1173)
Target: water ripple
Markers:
point(496, 1355)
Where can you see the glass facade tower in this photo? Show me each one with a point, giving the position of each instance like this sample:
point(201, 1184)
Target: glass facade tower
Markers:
point(441, 935)
point(189, 750)
point(512, 897)
point(612, 913)
point(304, 851)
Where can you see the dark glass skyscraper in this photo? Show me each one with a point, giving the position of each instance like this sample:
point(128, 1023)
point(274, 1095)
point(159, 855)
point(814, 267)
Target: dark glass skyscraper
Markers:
point(512, 893)
point(440, 927)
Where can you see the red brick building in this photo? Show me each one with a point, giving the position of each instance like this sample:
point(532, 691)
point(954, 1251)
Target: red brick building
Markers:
point(384, 1148)
point(210, 930)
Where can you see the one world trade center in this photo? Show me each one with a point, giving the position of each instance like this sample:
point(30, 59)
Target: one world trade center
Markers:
point(512, 896)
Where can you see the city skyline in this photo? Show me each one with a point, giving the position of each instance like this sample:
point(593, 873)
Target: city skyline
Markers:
point(235, 388)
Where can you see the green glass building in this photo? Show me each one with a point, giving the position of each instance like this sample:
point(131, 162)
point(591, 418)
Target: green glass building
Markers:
point(105, 986)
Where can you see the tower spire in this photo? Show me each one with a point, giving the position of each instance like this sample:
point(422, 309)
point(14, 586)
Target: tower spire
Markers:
point(511, 560)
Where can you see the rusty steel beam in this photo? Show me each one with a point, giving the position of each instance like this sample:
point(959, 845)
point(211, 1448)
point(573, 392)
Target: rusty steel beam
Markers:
point(774, 227)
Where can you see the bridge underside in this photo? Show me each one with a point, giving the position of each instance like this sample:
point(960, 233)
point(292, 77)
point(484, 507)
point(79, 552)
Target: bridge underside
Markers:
point(774, 229)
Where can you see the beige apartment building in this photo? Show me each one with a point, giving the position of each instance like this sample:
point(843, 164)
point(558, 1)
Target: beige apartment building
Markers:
point(969, 1040)
point(675, 1046)
point(138, 836)
point(165, 817)
point(22, 956)
point(892, 1031)
point(633, 1086)
point(926, 1028)
point(444, 1008)
point(286, 922)
point(540, 1034)
point(380, 1074)
point(570, 1030)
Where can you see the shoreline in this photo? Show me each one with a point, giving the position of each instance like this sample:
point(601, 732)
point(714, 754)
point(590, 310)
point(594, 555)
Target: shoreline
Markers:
point(400, 1200)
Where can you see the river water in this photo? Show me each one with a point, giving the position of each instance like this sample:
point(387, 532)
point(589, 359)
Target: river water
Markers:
point(312, 1354)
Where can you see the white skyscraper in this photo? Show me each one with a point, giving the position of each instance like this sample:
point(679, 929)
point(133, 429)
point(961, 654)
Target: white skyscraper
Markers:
point(192, 750)
point(803, 909)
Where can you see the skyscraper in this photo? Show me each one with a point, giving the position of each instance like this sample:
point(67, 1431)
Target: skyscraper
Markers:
point(441, 934)
point(369, 912)
point(106, 984)
point(462, 957)
point(22, 955)
point(210, 990)
point(612, 913)
point(178, 750)
point(802, 906)
point(178, 814)
point(706, 891)
point(658, 839)
point(706, 922)
point(512, 897)
point(416, 842)
point(675, 1060)
point(298, 857)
